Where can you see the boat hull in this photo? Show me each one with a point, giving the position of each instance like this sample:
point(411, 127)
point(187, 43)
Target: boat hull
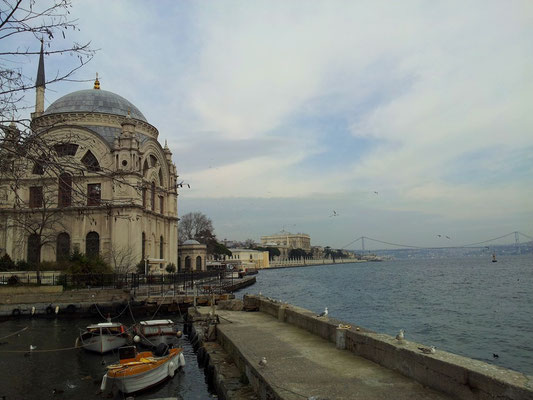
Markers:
point(139, 381)
point(103, 343)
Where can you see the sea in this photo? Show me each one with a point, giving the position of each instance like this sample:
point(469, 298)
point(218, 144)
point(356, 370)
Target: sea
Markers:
point(468, 306)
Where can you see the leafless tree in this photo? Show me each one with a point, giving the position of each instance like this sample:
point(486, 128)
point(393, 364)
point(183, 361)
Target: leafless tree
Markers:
point(122, 259)
point(24, 25)
point(194, 225)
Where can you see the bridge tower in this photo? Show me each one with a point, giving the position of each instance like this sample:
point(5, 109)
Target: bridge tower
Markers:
point(517, 242)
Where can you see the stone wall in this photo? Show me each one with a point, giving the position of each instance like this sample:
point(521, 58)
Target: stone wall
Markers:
point(461, 377)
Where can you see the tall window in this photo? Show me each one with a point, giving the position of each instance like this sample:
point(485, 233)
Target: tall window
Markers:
point(144, 197)
point(90, 161)
point(94, 194)
point(36, 196)
point(161, 247)
point(161, 204)
point(187, 263)
point(198, 263)
point(143, 246)
point(65, 190)
point(92, 244)
point(34, 249)
point(63, 246)
point(153, 196)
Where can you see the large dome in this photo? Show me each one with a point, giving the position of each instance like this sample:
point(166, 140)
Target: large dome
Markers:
point(96, 101)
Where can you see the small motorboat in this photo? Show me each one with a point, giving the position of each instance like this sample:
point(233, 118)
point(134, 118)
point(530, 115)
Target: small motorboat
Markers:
point(138, 371)
point(154, 332)
point(103, 337)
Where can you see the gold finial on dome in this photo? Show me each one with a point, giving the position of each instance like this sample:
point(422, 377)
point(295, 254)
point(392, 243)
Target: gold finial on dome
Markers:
point(96, 83)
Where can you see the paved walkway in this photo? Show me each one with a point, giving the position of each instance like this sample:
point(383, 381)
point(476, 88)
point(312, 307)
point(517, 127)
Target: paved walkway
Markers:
point(301, 365)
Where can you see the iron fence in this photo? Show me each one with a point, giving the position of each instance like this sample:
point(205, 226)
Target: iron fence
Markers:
point(182, 282)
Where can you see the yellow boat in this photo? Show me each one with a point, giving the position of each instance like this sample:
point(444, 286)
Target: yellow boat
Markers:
point(138, 371)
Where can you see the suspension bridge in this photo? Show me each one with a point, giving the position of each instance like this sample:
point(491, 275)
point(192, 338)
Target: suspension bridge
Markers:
point(483, 244)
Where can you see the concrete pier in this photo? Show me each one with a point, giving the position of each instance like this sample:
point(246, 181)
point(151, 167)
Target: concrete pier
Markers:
point(309, 356)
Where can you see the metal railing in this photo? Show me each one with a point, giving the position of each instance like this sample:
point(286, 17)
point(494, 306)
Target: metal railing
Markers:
point(182, 282)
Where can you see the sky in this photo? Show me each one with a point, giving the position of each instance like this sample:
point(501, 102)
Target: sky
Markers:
point(408, 119)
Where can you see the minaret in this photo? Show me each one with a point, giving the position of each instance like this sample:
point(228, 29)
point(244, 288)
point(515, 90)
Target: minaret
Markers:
point(39, 86)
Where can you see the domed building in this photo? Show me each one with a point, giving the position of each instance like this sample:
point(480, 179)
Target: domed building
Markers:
point(100, 176)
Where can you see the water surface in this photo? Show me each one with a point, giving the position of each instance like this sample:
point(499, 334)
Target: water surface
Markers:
point(467, 306)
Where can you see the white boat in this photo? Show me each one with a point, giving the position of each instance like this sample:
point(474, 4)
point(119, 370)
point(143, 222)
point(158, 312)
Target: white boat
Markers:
point(103, 337)
point(154, 332)
point(139, 371)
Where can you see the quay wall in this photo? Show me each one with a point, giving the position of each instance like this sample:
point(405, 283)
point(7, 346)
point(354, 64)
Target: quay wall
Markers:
point(461, 377)
point(311, 262)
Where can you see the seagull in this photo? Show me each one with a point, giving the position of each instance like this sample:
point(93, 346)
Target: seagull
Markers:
point(439, 235)
point(262, 362)
point(447, 237)
point(323, 313)
point(334, 214)
point(495, 355)
point(400, 336)
point(32, 347)
point(375, 192)
point(427, 350)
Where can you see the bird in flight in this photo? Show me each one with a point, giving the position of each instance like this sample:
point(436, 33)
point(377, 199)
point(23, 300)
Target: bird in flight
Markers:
point(375, 192)
point(439, 235)
point(181, 184)
point(447, 237)
point(334, 214)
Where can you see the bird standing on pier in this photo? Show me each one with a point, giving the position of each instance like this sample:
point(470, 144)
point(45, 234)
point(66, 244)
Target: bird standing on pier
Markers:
point(323, 313)
point(427, 350)
point(262, 362)
point(32, 347)
point(400, 337)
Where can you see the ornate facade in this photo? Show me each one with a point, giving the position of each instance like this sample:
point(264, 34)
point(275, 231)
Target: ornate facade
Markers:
point(116, 192)
point(286, 241)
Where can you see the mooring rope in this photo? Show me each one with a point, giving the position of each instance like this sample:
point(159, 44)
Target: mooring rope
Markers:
point(13, 334)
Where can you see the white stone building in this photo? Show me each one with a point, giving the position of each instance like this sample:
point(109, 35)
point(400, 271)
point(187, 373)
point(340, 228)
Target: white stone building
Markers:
point(117, 191)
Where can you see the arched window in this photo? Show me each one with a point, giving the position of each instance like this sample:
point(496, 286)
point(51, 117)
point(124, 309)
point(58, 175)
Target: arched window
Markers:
point(187, 263)
point(153, 160)
point(90, 161)
point(65, 190)
point(63, 246)
point(160, 177)
point(153, 196)
point(143, 246)
point(179, 264)
point(145, 168)
point(34, 249)
point(198, 263)
point(161, 247)
point(92, 244)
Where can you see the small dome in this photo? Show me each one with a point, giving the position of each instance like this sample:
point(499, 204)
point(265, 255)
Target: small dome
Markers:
point(94, 101)
point(191, 241)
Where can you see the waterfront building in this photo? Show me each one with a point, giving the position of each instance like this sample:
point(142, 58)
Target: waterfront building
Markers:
point(286, 241)
point(250, 258)
point(94, 169)
point(192, 256)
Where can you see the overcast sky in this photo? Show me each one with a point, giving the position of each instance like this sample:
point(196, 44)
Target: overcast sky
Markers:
point(410, 119)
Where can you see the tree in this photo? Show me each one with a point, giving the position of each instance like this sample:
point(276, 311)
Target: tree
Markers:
point(249, 244)
point(298, 253)
point(23, 23)
point(122, 259)
point(328, 252)
point(195, 225)
point(272, 251)
point(170, 268)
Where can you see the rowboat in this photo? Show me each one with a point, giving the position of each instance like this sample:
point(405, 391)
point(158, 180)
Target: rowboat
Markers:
point(138, 371)
point(103, 337)
point(154, 332)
